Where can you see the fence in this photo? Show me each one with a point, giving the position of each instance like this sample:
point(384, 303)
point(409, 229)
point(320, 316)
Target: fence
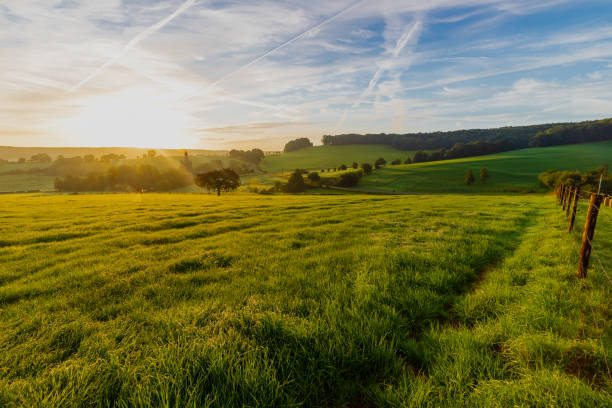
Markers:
point(568, 197)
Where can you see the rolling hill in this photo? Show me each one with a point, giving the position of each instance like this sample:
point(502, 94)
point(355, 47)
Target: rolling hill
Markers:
point(514, 171)
point(323, 157)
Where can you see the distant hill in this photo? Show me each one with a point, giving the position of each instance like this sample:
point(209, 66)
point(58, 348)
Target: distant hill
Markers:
point(507, 138)
point(324, 157)
point(515, 171)
point(14, 153)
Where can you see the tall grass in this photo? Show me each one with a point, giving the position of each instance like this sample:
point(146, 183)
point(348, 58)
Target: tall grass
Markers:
point(193, 300)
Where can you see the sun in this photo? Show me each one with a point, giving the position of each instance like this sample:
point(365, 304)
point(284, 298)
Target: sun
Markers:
point(131, 118)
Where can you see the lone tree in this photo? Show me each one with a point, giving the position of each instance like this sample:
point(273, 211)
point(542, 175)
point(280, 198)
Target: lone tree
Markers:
point(355, 165)
point(224, 179)
point(296, 182)
point(366, 167)
point(469, 177)
point(484, 175)
point(343, 167)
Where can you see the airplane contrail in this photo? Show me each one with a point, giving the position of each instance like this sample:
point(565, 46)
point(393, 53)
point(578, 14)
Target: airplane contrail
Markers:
point(273, 50)
point(385, 66)
point(135, 41)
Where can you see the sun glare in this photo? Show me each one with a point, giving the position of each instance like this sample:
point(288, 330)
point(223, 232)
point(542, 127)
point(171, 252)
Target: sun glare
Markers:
point(130, 118)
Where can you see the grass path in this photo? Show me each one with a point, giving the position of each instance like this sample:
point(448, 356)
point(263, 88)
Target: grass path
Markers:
point(527, 335)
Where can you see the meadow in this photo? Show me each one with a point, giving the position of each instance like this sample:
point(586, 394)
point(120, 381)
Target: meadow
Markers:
point(515, 171)
point(324, 157)
point(167, 300)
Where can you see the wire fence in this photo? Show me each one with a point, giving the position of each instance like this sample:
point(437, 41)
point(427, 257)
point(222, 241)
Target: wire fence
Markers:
point(598, 203)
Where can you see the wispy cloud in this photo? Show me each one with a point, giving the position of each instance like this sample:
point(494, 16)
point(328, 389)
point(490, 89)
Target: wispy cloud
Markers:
point(265, 71)
point(134, 42)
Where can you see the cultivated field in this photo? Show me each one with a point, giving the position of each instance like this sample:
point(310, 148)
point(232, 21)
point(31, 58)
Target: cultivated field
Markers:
point(514, 171)
point(244, 300)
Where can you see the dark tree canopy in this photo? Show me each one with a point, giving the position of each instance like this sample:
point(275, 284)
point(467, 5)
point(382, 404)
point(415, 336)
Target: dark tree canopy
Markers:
point(41, 158)
point(366, 167)
point(297, 144)
point(588, 180)
point(296, 182)
point(473, 142)
point(254, 156)
point(218, 180)
point(314, 177)
point(380, 162)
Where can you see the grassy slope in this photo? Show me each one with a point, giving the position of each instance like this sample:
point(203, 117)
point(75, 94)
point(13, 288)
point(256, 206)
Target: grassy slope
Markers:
point(318, 157)
point(510, 171)
point(181, 300)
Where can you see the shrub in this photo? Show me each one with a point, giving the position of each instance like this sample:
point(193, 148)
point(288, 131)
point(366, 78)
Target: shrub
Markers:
point(342, 167)
point(366, 167)
point(380, 162)
point(469, 177)
point(420, 156)
point(484, 175)
point(349, 179)
point(314, 177)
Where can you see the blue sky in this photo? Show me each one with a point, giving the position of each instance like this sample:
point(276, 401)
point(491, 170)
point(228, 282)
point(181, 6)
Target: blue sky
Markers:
point(225, 74)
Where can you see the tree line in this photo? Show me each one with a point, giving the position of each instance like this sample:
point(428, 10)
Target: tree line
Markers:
point(144, 177)
point(588, 180)
point(499, 139)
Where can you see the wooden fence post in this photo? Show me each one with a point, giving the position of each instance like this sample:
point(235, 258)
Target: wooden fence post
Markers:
point(569, 201)
point(562, 196)
point(587, 235)
point(574, 209)
point(568, 190)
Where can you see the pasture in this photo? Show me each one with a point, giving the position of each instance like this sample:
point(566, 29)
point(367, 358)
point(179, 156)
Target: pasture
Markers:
point(515, 171)
point(324, 157)
point(166, 300)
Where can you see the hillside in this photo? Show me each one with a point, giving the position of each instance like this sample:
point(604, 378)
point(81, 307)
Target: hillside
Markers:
point(323, 157)
point(502, 139)
point(514, 171)
point(193, 300)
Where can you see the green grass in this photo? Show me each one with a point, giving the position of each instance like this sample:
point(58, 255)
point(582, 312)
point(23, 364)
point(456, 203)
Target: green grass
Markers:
point(324, 157)
point(515, 171)
point(192, 300)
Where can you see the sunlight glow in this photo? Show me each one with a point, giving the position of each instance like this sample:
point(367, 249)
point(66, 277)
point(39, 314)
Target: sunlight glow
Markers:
point(134, 117)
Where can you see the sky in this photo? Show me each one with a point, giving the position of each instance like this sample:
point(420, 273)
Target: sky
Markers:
point(257, 73)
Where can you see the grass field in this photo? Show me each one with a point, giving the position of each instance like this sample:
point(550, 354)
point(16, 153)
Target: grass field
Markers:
point(192, 300)
point(323, 157)
point(515, 171)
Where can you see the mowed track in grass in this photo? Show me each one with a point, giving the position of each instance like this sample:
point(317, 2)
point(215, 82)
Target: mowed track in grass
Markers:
point(194, 300)
point(324, 157)
point(515, 171)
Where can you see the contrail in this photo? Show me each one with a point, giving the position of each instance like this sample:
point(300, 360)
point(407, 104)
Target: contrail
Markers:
point(399, 46)
point(386, 65)
point(135, 41)
point(283, 45)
